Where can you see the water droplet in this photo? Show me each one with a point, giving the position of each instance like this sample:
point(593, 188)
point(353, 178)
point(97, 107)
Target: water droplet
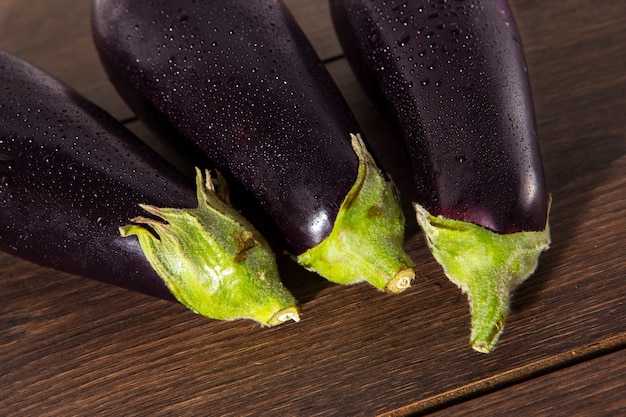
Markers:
point(101, 222)
point(404, 39)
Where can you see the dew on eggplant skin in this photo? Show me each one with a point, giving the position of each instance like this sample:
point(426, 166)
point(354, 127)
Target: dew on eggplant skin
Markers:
point(101, 222)
point(404, 39)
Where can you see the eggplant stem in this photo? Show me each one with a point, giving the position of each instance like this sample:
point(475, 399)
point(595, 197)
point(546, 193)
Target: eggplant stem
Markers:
point(213, 260)
point(401, 281)
point(486, 265)
point(284, 315)
point(367, 237)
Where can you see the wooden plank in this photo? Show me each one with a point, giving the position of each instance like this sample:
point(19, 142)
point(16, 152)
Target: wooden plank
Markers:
point(73, 346)
point(593, 388)
point(314, 19)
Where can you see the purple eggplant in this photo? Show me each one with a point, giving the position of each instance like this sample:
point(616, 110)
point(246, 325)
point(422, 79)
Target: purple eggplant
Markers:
point(72, 182)
point(238, 84)
point(451, 76)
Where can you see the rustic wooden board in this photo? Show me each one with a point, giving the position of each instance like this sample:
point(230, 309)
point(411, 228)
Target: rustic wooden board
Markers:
point(71, 346)
point(594, 388)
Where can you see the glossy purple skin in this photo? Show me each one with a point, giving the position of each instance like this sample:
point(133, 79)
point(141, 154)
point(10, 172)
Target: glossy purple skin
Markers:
point(238, 81)
point(451, 75)
point(70, 175)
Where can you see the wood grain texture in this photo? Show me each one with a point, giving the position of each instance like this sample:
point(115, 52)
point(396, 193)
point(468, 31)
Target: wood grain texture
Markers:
point(594, 388)
point(71, 346)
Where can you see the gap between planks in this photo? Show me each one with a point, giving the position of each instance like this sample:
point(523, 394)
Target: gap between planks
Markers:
point(511, 377)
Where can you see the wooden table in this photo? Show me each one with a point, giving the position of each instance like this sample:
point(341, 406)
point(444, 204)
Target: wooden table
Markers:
point(72, 346)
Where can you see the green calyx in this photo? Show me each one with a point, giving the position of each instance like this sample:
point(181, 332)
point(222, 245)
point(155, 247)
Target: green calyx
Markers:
point(366, 241)
point(486, 265)
point(213, 260)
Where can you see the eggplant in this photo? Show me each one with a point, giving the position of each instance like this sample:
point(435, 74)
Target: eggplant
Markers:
point(451, 76)
point(239, 86)
point(74, 183)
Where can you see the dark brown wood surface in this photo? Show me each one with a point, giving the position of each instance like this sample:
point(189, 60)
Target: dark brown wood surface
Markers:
point(593, 388)
point(72, 346)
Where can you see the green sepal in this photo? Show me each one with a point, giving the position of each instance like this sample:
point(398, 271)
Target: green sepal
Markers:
point(486, 265)
point(213, 260)
point(367, 237)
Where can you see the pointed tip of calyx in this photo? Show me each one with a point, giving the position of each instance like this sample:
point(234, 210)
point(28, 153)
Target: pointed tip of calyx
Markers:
point(485, 335)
